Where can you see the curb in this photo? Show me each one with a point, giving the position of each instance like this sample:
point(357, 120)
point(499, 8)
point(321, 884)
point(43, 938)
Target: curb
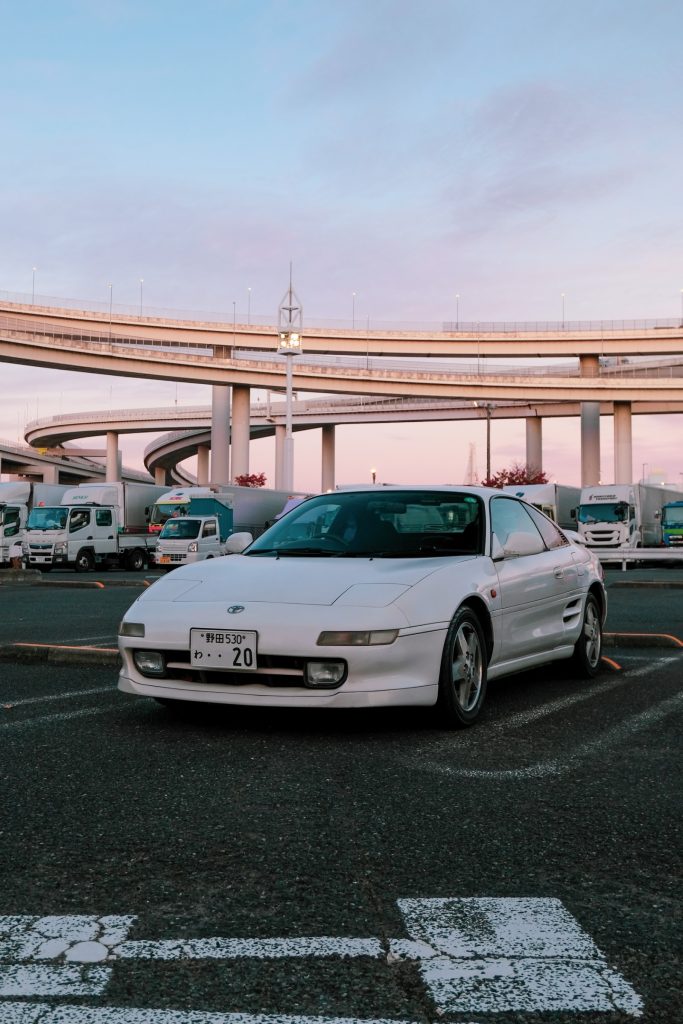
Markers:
point(34, 578)
point(641, 640)
point(39, 653)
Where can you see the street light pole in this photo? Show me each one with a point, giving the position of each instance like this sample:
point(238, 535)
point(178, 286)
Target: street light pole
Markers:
point(142, 281)
point(488, 441)
point(33, 288)
point(457, 312)
point(290, 323)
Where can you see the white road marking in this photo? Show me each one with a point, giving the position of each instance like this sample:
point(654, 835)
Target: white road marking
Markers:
point(228, 949)
point(585, 693)
point(67, 695)
point(63, 716)
point(35, 1013)
point(503, 955)
point(474, 956)
point(559, 766)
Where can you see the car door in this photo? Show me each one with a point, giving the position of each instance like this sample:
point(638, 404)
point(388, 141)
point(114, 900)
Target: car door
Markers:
point(535, 586)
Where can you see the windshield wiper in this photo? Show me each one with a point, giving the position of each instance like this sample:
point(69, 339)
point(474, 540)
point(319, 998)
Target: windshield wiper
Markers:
point(293, 552)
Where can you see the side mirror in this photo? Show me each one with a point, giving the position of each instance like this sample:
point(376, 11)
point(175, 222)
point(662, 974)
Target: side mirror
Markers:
point(237, 542)
point(520, 543)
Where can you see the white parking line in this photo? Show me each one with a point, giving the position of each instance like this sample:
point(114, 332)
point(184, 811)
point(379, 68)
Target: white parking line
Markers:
point(67, 695)
point(58, 716)
point(585, 693)
point(559, 766)
point(474, 956)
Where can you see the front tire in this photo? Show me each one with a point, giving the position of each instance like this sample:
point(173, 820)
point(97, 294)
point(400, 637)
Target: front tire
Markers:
point(462, 680)
point(84, 561)
point(588, 648)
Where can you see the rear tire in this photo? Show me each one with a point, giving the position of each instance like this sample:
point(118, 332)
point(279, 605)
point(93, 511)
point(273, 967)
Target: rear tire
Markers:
point(588, 648)
point(135, 561)
point(462, 680)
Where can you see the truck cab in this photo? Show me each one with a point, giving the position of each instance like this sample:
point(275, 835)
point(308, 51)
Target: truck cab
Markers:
point(672, 524)
point(187, 539)
point(76, 535)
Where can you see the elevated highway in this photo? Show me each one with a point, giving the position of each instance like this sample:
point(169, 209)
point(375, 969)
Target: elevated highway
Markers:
point(385, 365)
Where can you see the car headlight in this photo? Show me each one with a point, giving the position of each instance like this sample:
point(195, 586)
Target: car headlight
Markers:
point(132, 628)
point(193, 546)
point(60, 548)
point(356, 638)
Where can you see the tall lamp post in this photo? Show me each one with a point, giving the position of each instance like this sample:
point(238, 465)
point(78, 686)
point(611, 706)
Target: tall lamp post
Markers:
point(289, 328)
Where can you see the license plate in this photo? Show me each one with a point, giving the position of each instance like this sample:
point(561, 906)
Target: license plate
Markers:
point(229, 649)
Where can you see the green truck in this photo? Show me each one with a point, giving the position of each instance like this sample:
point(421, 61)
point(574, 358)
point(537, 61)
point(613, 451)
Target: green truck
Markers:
point(672, 524)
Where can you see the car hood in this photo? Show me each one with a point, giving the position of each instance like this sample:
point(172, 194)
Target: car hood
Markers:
point(306, 581)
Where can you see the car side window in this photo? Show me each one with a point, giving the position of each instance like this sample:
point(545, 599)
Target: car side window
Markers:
point(209, 530)
point(552, 535)
point(510, 516)
point(103, 517)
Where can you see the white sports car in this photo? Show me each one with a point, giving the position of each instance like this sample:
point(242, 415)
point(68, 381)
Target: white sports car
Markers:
point(369, 597)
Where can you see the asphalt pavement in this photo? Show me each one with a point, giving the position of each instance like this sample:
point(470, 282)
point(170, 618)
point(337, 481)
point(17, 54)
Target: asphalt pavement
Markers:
point(241, 866)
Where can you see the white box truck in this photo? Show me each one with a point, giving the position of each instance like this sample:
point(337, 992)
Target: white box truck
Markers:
point(103, 524)
point(253, 507)
point(558, 501)
point(622, 515)
point(17, 498)
point(202, 533)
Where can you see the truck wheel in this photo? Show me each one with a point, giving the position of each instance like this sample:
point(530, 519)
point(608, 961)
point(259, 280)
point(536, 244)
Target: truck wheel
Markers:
point(135, 561)
point(84, 561)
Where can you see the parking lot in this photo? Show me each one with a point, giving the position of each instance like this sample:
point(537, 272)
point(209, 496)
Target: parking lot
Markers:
point(227, 864)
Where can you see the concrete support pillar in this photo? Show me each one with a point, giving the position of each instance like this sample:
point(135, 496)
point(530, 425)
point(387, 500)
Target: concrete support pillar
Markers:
point(203, 452)
point(241, 427)
point(623, 446)
point(113, 467)
point(280, 438)
point(327, 473)
point(220, 434)
point(534, 444)
point(160, 476)
point(590, 427)
point(50, 474)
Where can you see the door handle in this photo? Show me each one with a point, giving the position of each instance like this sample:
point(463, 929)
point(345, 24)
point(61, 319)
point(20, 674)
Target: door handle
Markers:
point(558, 573)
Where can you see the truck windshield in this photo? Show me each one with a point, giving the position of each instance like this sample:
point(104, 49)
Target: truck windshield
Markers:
point(672, 516)
point(616, 512)
point(180, 529)
point(46, 518)
point(163, 511)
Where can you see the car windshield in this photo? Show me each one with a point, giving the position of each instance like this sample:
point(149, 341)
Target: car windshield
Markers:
point(672, 516)
point(180, 529)
point(46, 518)
point(380, 524)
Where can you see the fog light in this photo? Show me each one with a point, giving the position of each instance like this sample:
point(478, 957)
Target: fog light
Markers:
point(325, 674)
point(132, 628)
point(150, 663)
